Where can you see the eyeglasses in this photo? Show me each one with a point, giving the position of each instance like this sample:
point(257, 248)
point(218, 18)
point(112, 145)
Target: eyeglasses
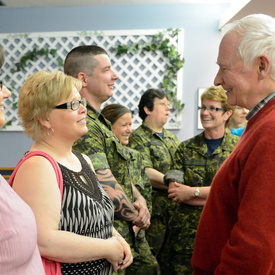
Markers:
point(168, 105)
point(210, 109)
point(1, 85)
point(73, 105)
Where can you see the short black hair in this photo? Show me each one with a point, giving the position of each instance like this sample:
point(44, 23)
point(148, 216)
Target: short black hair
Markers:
point(147, 100)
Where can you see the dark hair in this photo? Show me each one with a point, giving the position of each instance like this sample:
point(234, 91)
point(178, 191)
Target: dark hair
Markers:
point(2, 56)
point(80, 59)
point(113, 112)
point(147, 100)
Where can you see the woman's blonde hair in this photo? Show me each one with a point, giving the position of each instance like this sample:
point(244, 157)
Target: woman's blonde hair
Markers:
point(39, 95)
point(217, 93)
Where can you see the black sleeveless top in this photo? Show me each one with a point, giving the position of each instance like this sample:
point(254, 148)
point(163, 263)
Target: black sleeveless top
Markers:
point(88, 211)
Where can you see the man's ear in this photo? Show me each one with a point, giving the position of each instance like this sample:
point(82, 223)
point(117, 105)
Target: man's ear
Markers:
point(83, 78)
point(264, 66)
point(147, 111)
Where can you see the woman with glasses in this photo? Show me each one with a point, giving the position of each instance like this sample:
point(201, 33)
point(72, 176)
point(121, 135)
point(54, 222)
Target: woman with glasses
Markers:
point(199, 158)
point(157, 146)
point(76, 231)
point(18, 248)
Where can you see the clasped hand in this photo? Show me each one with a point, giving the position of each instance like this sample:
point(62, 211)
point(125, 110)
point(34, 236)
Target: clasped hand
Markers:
point(179, 192)
point(143, 219)
point(122, 256)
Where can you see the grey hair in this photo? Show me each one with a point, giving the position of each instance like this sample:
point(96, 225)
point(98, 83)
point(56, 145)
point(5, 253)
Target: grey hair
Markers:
point(257, 33)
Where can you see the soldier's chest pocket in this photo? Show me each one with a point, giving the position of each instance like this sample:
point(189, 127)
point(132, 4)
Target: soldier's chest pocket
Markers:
point(195, 174)
point(113, 148)
point(159, 152)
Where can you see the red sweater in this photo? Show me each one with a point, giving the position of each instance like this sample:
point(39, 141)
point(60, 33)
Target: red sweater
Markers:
point(236, 233)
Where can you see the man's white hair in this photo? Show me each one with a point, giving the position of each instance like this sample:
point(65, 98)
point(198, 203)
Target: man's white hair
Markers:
point(257, 33)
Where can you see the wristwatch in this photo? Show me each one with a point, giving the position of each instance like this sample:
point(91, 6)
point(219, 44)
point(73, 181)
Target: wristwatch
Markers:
point(197, 192)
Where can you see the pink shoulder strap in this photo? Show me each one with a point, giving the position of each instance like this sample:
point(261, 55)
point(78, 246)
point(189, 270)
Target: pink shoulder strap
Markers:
point(51, 160)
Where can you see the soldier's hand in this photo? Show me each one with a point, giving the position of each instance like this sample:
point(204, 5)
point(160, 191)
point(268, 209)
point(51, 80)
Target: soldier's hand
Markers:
point(136, 230)
point(179, 192)
point(143, 219)
point(172, 185)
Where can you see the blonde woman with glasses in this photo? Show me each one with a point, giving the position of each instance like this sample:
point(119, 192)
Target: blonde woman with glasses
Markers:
point(77, 230)
point(198, 158)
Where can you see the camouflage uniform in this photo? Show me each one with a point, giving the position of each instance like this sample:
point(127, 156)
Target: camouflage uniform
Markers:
point(140, 178)
point(199, 167)
point(157, 153)
point(145, 262)
point(106, 152)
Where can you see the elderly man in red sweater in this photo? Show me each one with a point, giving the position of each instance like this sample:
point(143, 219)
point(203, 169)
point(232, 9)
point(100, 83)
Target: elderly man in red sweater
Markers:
point(236, 233)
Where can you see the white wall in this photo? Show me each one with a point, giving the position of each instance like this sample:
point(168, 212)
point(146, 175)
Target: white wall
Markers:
point(201, 41)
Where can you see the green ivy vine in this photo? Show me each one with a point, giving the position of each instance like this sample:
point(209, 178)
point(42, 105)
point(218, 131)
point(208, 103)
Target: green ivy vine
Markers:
point(175, 61)
point(32, 55)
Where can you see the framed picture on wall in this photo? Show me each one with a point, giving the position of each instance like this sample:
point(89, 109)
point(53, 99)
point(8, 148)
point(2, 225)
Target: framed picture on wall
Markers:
point(200, 91)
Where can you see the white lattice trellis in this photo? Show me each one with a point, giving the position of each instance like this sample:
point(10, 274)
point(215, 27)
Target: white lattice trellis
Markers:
point(137, 72)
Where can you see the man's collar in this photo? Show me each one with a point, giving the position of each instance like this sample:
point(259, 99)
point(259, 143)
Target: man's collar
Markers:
point(259, 106)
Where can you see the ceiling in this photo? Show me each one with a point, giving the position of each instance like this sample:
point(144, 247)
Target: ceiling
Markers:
point(237, 10)
point(62, 3)
point(256, 6)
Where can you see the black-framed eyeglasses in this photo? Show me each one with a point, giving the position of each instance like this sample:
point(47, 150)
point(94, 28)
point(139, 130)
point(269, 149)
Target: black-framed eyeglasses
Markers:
point(1, 85)
point(210, 109)
point(73, 105)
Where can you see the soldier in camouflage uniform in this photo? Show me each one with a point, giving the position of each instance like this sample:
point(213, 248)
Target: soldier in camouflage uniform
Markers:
point(111, 160)
point(121, 120)
point(157, 147)
point(199, 158)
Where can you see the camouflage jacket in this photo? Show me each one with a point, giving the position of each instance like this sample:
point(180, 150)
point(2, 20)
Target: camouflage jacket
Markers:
point(156, 152)
point(198, 166)
point(199, 169)
point(104, 149)
point(140, 178)
point(106, 152)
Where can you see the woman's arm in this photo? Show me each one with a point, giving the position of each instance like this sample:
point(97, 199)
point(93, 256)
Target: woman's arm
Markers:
point(35, 182)
point(156, 178)
point(186, 194)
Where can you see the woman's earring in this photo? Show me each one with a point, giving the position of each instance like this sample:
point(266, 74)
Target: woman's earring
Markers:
point(51, 130)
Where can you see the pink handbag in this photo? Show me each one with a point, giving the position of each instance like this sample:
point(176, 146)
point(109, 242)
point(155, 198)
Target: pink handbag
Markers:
point(50, 267)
